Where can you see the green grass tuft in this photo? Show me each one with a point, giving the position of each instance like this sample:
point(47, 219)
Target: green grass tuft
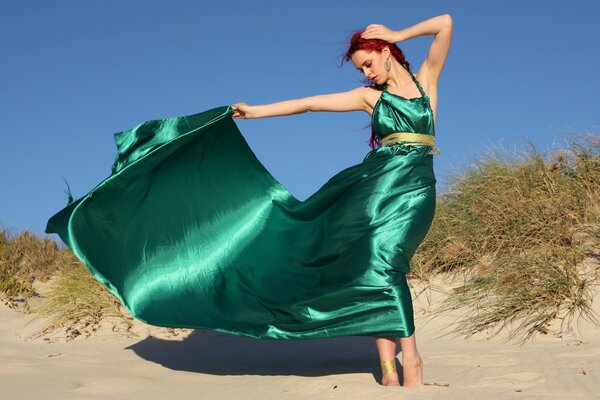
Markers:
point(77, 298)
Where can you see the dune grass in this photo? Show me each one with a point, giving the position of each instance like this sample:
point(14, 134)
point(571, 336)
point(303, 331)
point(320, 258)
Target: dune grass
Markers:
point(25, 258)
point(75, 295)
point(78, 300)
point(522, 233)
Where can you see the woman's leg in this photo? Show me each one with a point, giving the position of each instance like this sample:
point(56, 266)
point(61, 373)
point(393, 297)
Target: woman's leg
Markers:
point(412, 364)
point(387, 352)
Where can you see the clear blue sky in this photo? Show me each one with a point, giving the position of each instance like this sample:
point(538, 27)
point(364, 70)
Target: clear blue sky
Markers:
point(75, 72)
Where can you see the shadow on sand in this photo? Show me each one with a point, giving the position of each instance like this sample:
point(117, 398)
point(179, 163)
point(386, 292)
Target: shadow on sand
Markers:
point(212, 352)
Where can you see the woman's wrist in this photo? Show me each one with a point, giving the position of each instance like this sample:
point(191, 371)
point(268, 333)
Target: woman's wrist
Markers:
point(399, 36)
point(255, 111)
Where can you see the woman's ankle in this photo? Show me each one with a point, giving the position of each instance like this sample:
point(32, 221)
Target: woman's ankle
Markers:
point(412, 370)
point(412, 359)
point(391, 379)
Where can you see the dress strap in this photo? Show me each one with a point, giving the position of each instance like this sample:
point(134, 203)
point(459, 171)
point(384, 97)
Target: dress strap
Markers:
point(415, 81)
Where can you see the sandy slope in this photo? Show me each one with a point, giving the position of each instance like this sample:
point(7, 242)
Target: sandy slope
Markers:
point(209, 365)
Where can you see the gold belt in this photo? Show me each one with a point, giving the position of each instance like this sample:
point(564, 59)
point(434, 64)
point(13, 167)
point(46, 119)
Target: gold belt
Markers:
point(417, 139)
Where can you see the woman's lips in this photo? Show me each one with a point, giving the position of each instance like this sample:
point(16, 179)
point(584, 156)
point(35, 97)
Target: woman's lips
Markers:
point(374, 79)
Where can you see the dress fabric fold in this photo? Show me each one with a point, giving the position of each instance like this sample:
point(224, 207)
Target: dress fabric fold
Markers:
point(190, 230)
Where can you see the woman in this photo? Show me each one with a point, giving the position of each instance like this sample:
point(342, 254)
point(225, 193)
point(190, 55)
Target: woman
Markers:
point(191, 231)
point(372, 52)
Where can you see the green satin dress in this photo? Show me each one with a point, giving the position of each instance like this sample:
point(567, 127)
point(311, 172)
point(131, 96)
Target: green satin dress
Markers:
point(190, 230)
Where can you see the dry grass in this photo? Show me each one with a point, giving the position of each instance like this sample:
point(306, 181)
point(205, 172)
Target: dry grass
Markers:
point(79, 302)
point(518, 229)
point(76, 297)
point(25, 258)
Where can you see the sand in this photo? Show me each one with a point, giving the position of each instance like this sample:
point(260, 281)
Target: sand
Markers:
point(195, 364)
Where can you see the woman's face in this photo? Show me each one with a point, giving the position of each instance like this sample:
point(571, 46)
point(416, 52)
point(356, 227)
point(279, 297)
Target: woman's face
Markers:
point(370, 63)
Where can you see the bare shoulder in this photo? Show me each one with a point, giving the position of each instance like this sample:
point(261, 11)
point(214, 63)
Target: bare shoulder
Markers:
point(370, 96)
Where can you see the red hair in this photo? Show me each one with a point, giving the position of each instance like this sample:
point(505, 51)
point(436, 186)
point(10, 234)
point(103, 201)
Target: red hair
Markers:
point(358, 43)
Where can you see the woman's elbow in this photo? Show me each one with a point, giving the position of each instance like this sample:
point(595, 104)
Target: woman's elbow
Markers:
point(448, 19)
point(311, 104)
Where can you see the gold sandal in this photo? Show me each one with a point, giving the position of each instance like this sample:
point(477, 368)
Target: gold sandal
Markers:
point(388, 366)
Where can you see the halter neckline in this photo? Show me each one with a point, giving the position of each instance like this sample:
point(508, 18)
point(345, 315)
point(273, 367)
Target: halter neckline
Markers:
point(423, 95)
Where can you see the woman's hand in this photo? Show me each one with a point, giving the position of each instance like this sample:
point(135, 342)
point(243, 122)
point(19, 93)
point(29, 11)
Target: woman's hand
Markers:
point(378, 31)
point(242, 110)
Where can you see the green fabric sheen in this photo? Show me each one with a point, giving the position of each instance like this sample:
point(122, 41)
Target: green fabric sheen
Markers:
point(191, 230)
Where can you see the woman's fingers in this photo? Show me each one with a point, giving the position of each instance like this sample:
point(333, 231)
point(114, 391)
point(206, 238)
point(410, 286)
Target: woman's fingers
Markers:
point(241, 110)
point(371, 28)
point(374, 31)
point(237, 112)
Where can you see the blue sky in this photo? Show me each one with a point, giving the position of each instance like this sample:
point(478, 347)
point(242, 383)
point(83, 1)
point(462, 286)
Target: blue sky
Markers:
point(75, 72)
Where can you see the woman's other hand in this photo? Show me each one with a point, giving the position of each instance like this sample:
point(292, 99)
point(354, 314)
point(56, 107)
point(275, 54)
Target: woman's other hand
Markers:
point(242, 110)
point(378, 31)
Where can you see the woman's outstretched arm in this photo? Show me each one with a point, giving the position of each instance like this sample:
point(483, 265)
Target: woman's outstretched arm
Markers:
point(353, 100)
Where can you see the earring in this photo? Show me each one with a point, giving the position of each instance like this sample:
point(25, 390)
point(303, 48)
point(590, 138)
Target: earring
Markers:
point(387, 65)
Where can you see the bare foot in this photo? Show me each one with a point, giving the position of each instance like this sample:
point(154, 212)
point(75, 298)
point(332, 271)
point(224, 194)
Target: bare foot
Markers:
point(412, 371)
point(390, 379)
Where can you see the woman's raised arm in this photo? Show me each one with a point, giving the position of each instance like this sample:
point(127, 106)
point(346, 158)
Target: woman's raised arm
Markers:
point(353, 100)
point(440, 27)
